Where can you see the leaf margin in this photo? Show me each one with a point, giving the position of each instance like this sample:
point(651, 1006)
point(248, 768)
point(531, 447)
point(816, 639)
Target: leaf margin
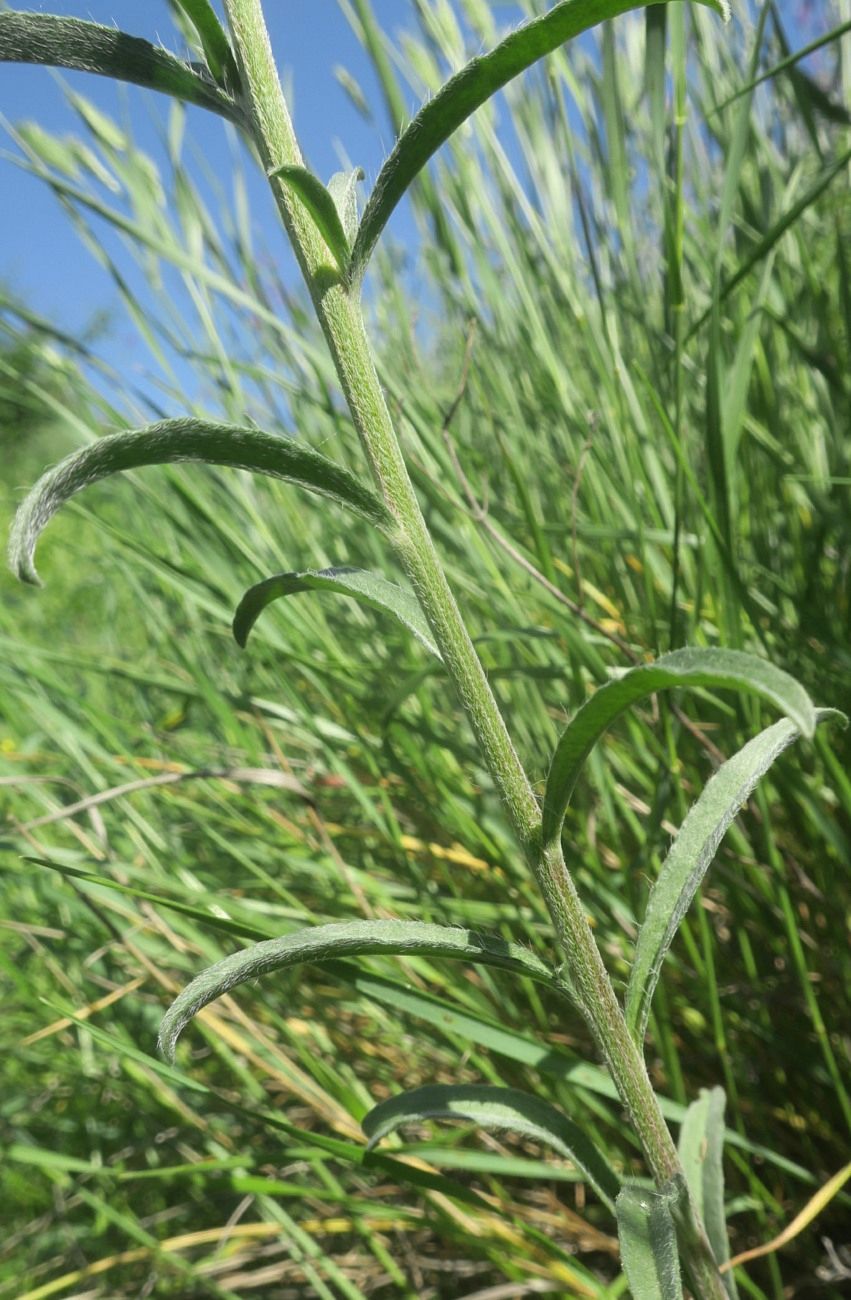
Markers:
point(386, 596)
point(662, 917)
point(532, 1117)
point(471, 87)
point(173, 442)
point(344, 939)
point(57, 40)
point(690, 666)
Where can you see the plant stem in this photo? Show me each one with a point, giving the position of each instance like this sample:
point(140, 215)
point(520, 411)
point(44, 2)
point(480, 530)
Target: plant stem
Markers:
point(340, 316)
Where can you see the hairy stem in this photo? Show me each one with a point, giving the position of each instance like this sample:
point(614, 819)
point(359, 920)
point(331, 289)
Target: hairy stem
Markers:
point(339, 313)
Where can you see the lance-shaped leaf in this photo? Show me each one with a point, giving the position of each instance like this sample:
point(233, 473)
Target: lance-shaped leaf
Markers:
point(701, 1150)
point(465, 92)
point(348, 939)
point(648, 1243)
point(88, 47)
point(689, 667)
point(172, 441)
point(691, 854)
point(343, 188)
point(367, 588)
point(506, 1109)
point(214, 41)
point(321, 206)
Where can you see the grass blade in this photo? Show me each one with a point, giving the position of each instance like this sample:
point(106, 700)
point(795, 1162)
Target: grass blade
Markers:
point(214, 41)
point(814, 1206)
point(778, 229)
point(506, 1109)
point(367, 588)
point(88, 47)
point(691, 855)
point(345, 939)
point(172, 441)
point(701, 1149)
point(648, 1244)
point(211, 920)
point(321, 206)
point(789, 62)
point(467, 91)
point(688, 667)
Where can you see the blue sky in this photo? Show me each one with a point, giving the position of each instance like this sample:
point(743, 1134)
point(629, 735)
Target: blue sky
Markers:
point(41, 258)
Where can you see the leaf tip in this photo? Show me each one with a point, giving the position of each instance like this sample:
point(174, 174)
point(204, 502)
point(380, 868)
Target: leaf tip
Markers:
point(835, 716)
point(21, 554)
point(165, 1044)
point(240, 628)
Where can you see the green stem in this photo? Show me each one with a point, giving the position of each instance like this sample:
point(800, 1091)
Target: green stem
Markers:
point(339, 313)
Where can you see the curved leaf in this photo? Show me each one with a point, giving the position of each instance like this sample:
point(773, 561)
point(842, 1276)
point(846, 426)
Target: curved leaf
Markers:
point(214, 41)
point(321, 206)
point(689, 667)
point(691, 854)
point(648, 1243)
point(367, 588)
point(498, 1108)
point(88, 47)
point(701, 1151)
point(347, 939)
point(171, 441)
point(467, 91)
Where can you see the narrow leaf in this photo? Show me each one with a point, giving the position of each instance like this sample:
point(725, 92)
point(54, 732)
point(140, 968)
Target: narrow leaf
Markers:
point(459, 1023)
point(343, 188)
point(367, 588)
point(349, 1152)
point(468, 90)
point(211, 920)
point(88, 47)
point(775, 233)
point(214, 41)
point(648, 1244)
point(701, 1150)
point(805, 50)
point(171, 441)
point(506, 1109)
point(321, 206)
point(346, 939)
point(802, 1220)
point(689, 667)
point(691, 854)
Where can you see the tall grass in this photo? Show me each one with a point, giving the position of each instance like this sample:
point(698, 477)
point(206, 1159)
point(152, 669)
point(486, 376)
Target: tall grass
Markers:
point(622, 385)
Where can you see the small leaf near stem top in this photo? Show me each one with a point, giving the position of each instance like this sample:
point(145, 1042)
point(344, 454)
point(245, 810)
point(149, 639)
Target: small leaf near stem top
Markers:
point(214, 42)
point(343, 188)
point(321, 206)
